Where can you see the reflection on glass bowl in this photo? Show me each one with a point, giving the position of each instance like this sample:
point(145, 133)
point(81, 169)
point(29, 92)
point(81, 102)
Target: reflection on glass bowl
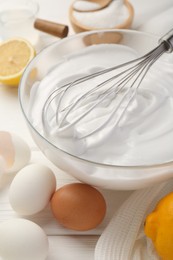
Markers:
point(107, 175)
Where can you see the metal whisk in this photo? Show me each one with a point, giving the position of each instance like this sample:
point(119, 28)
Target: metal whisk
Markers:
point(113, 92)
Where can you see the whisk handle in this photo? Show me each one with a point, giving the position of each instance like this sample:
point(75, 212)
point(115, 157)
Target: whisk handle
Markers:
point(168, 40)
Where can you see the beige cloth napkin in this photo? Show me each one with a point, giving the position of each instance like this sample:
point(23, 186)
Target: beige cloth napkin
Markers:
point(124, 238)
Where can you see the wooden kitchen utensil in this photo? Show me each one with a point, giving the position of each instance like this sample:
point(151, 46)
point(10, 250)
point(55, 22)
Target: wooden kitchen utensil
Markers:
point(55, 29)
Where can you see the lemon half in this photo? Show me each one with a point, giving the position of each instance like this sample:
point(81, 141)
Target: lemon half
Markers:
point(159, 227)
point(15, 54)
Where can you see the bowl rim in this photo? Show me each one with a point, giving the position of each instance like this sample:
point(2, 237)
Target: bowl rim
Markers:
point(145, 166)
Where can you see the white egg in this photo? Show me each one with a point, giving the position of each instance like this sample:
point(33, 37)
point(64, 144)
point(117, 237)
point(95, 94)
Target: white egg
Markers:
point(22, 239)
point(14, 150)
point(31, 189)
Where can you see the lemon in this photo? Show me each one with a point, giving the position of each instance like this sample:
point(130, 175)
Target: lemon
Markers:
point(15, 54)
point(159, 227)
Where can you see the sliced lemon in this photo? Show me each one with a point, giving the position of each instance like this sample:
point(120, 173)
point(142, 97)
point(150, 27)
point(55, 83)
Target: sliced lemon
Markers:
point(15, 54)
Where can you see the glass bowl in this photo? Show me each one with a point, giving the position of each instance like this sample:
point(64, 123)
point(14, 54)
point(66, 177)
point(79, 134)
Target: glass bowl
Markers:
point(97, 174)
point(17, 19)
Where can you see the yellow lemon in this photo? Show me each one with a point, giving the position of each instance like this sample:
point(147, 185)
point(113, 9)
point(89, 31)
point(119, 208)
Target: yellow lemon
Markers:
point(15, 54)
point(159, 227)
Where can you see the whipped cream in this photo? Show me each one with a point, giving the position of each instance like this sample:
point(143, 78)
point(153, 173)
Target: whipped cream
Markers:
point(144, 135)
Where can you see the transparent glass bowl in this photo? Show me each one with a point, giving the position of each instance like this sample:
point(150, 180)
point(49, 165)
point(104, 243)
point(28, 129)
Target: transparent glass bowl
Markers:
point(97, 174)
point(17, 19)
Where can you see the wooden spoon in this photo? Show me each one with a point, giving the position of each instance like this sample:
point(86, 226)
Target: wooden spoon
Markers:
point(90, 5)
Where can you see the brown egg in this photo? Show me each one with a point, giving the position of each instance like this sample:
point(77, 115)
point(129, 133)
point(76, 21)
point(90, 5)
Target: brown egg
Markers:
point(78, 206)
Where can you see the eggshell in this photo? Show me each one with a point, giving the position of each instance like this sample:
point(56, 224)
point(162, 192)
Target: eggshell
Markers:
point(14, 150)
point(22, 239)
point(78, 206)
point(31, 189)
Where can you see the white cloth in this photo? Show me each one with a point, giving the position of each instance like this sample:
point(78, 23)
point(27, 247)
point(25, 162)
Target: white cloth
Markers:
point(124, 238)
point(159, 24)
point(145, 11)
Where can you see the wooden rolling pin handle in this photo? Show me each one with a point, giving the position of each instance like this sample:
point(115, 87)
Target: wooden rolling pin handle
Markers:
point(55, 29)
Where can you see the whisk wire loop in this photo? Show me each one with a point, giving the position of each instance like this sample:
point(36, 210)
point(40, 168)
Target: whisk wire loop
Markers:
point(141, 74)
